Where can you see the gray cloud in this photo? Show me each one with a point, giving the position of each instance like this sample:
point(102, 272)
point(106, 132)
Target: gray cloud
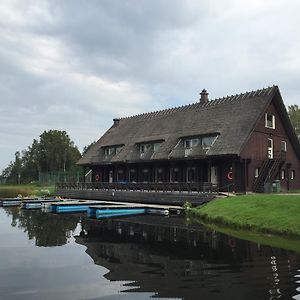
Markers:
point(75, 65)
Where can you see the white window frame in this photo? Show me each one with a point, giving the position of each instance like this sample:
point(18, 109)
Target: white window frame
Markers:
point(283, 146)
point(266, 121)
point(256, 172)
point(292, 174)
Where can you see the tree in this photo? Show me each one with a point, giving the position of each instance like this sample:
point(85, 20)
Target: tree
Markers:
point(294, 114)
point(53, 152)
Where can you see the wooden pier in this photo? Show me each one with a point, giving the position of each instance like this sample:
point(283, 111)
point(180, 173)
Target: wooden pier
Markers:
point(147, 193)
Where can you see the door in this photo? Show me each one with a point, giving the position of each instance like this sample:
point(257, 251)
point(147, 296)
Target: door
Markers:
point(214, 175)
point(270, 148)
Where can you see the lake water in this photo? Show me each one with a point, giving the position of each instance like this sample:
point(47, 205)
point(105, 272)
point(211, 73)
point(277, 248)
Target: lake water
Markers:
point(46, 256)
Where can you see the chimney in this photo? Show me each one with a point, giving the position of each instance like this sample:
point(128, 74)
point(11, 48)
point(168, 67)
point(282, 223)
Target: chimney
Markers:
point(204, 97)
point(116, 122)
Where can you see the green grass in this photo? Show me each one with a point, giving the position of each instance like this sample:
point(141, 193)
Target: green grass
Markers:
point(7, 191)
point(267, 213)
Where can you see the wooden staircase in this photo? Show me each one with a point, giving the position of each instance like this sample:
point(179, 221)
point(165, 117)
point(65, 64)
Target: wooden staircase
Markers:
point(268, 171)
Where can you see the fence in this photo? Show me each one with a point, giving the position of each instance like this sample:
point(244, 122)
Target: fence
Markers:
point(53, 177)
point(200, 187)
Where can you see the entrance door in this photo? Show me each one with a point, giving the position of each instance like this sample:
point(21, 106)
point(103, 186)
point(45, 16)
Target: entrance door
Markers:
point(214, 175)
point(270, 148)
point(110, 176)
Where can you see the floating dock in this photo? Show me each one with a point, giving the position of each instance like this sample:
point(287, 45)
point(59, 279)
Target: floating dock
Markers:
point(114, 209)
point(94, 209)
point(10, 202)
point(72, 206)
point(38, 203)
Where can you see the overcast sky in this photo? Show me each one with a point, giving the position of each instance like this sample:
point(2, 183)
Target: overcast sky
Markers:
point(75, 65)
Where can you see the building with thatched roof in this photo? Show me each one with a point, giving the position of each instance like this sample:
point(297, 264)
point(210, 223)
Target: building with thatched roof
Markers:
point(245, 141)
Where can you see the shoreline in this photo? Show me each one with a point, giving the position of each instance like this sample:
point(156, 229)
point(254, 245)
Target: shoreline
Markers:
point(276, 214)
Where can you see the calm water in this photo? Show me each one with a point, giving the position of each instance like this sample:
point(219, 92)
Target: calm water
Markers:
point(45, 256)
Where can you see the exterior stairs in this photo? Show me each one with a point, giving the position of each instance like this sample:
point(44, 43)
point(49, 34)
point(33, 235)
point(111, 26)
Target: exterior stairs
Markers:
point(268, 171)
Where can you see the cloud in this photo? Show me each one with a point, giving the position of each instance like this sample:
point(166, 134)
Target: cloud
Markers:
point(75, 65)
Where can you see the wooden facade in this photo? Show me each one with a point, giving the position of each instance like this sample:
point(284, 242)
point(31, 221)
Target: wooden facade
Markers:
point(245, 142)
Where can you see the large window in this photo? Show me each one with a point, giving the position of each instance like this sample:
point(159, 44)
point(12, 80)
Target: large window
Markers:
point(269, 121)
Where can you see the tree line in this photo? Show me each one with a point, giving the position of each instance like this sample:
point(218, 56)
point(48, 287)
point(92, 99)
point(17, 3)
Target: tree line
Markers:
point(54, 151)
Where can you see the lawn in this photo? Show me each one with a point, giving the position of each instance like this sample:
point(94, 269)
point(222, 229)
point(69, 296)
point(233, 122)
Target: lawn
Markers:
point(268, 213)
point(25, 190)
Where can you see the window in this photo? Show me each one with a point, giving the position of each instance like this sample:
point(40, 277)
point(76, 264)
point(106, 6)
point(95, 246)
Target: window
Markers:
point(174, 175)
point(109, 151)
point(269, 121)
point(283, 146)
point(292, 174)
point(256, 172)
point(205, 142)
point(190, 174)
point(187, 144)
point(283, 174)
point(208, 141)
point(142, 148)
point(156, 146)
point(132, 175)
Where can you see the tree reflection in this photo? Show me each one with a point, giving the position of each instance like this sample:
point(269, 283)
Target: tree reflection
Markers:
point(48, 230)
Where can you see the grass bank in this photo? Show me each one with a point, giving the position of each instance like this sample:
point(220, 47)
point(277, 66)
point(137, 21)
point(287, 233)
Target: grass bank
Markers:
point(7, 191)
point(271, 213)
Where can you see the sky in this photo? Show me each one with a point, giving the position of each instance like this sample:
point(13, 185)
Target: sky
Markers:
point(74, 65)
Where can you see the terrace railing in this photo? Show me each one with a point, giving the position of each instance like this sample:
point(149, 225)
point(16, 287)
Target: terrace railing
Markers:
point(199, 187)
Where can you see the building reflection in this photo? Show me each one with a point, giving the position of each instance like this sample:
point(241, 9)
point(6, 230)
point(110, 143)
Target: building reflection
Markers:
point(173, 259)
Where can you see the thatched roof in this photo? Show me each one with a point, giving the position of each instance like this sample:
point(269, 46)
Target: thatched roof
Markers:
point(232, 118)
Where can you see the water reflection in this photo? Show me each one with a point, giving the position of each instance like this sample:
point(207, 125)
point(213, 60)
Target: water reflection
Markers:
point(46, 230)
point(155, 256)
point(178, 260)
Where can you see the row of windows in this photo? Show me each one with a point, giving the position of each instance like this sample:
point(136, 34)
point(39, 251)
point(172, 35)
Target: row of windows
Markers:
point(189, 143)
point(282, 174)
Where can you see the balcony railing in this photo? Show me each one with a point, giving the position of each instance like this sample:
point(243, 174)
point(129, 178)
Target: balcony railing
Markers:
point(181, 152)
point(199, 187)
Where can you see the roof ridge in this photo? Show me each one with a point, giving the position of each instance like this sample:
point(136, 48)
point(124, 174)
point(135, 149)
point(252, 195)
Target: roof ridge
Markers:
point(237, 97)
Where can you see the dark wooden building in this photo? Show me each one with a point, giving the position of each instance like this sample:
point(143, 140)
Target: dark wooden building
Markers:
point(244, 141)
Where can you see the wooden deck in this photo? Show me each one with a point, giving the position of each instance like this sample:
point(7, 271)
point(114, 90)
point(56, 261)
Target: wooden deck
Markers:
point(147, 193)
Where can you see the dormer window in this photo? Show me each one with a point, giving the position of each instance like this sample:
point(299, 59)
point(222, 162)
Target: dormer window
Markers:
point(112, 150)
point(269, 121)
point(149, 147)
point(204, 141)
